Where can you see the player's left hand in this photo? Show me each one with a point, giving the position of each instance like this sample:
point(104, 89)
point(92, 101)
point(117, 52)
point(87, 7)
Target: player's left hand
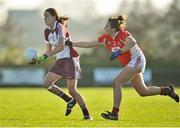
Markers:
point(115, 55)
point(42, 58)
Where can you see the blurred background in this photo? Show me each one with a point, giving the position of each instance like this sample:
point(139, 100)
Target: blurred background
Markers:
point(153, 23)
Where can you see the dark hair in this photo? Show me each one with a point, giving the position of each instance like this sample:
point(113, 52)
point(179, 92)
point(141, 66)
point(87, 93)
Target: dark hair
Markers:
point(118, 22)
point(60, 19)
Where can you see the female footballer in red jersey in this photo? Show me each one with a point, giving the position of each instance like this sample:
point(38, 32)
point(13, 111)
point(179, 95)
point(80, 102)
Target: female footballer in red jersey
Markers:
point(124, 47)
point(67, 61)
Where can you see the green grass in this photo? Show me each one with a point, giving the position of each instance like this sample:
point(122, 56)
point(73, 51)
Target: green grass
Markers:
point(24, 107)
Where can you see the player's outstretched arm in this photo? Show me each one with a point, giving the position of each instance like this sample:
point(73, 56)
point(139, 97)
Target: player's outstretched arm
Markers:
point(84, 44)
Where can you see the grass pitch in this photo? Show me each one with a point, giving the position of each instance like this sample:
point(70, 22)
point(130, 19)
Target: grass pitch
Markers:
point(29, 107)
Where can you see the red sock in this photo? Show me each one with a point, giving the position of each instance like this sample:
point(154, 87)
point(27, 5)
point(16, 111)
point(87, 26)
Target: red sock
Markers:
point(115, 110)
point(165, 91)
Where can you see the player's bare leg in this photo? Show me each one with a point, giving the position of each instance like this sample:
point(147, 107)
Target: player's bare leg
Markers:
point(49, 81)
point(125, 75)
point(72, 88)
point(143, 90)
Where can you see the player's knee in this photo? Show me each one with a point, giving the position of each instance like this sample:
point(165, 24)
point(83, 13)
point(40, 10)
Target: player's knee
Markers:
point(47, 85)
point(116, 83)
point(143, 94)
point(72, 91)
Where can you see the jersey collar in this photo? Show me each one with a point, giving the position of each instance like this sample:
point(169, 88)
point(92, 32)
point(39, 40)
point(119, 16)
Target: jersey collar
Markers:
point(115, 35)
point(55, 24)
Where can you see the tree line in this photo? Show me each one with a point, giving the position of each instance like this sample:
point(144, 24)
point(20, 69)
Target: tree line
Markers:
point(157, 33)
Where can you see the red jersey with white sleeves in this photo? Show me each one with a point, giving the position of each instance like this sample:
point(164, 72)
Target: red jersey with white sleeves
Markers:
point(117, 42)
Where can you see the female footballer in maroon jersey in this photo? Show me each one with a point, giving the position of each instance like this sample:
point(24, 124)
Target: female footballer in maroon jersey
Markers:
point(67, 61)
point(124, 47)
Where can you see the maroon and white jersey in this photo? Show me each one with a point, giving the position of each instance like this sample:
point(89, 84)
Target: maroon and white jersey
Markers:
point(52, 37)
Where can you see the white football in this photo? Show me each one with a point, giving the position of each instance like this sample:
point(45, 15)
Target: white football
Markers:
point(30, 54)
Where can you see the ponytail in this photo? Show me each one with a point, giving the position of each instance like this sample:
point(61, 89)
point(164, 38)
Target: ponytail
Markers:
point(63, 20)
point(122, 21)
